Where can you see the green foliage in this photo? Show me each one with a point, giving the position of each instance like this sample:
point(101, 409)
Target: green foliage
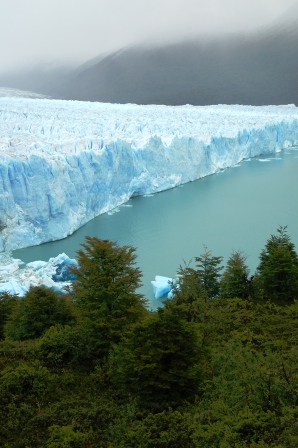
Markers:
point(105, 290)
point(107, 279)
point(278, 269)
point(7, 303)
point(234, 281)
point(196, 286)
point(25, 389)
point(189, 294)
point(208, 271)
point(36, 312)
point(62, 345)
point(101, 371)
point(81, 344)
point(159, 360)
point(65, 437)
point(165, 429)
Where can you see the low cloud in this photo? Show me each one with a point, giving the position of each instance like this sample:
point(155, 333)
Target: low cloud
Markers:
point(77, 30)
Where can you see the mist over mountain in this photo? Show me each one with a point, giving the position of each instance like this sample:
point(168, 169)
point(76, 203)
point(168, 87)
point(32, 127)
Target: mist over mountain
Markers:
point(258, 69)
point(36, 78)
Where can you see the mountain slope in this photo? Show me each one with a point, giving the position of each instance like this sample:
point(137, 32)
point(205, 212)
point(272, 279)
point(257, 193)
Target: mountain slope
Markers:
point(258, 70)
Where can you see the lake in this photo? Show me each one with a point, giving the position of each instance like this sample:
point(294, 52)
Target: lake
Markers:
point(236, 209)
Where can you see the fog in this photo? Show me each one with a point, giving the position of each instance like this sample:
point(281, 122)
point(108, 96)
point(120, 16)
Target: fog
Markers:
point(73, 31)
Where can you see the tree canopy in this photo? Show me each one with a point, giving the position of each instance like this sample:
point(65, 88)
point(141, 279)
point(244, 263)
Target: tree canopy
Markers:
point(208, 269)
point(159, 360)
point(278, 268)
point(235, 281)
point(36, 312)
point(105, 290)
point(216, 366)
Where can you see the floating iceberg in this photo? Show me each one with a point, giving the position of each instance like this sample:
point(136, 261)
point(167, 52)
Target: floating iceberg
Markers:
point(162, 286)
point(64, 162)
point(53, 274)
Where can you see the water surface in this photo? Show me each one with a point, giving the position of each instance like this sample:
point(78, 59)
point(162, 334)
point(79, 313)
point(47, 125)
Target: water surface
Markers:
point(236, 209)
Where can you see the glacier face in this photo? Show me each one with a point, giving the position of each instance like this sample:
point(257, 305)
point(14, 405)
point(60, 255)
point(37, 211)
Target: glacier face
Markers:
point(65, 162)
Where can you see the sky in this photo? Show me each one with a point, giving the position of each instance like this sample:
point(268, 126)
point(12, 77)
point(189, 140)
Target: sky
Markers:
point(74, 31)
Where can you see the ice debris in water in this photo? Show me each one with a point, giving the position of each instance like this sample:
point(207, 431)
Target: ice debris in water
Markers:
point(53, 274)
point(162, 286)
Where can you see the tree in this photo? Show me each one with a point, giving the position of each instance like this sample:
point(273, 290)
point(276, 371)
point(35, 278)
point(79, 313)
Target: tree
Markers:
point(37, 311)
point(277, 273)
point(105, 289)
point(7, 303)
point(196, 286)
point(188, 294)
point(159, 362)
point(208, 271)
point(234, 281)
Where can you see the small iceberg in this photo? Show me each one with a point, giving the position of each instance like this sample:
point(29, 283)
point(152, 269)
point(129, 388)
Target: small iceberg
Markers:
point(162, 286)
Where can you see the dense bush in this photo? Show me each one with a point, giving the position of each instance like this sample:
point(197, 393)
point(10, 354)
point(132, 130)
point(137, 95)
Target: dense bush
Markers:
point(36, 312)
point(160, 360)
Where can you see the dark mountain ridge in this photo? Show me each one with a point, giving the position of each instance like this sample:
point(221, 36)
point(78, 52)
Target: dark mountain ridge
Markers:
point(260, 69)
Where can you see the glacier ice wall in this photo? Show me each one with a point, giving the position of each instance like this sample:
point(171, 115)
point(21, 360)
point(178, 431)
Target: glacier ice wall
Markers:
point(63, 162)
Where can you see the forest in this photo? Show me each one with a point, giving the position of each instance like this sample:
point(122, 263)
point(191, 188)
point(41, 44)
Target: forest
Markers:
point(215, 367)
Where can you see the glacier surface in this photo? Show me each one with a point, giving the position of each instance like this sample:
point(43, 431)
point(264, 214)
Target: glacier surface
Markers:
point(65, 162)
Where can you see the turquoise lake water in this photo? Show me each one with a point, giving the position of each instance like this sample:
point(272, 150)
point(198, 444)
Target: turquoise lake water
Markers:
point(236, 209)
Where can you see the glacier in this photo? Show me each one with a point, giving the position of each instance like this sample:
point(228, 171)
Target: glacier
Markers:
point(65, 162)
